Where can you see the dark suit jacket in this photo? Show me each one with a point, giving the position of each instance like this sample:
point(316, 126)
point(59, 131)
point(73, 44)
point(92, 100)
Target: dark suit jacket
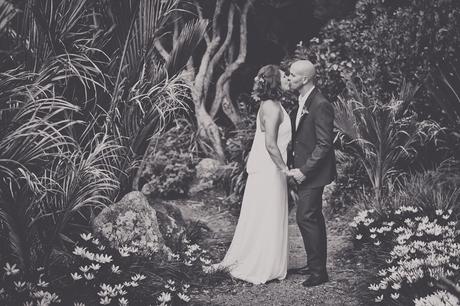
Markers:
point(312, 149)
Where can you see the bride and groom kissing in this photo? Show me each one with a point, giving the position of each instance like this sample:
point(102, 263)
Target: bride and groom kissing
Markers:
point(259, 249)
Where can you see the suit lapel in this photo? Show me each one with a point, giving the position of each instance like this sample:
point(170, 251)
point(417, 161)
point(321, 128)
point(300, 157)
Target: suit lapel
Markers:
point(293, 117)
point(305, 109)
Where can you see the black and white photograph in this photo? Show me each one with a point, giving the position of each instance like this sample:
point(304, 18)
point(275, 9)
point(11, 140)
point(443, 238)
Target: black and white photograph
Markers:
point(229, 152)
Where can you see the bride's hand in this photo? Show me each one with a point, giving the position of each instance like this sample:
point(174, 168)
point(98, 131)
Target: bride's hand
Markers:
point(285, 171)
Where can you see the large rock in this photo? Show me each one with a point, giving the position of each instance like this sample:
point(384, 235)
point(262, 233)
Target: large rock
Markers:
point(132, 222)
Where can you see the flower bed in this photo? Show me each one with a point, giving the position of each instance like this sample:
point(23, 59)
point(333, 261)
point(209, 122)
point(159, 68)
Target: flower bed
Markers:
point(101, 275)
point(418, 247)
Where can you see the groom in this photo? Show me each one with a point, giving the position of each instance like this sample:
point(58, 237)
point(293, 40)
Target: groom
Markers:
point(313, 162)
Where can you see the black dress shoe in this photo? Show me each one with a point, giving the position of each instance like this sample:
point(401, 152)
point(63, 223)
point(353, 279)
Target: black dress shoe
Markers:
point(302, 270)
point(315, 280)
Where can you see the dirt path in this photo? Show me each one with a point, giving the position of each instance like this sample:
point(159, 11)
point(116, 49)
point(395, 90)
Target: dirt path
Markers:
point(343, 271)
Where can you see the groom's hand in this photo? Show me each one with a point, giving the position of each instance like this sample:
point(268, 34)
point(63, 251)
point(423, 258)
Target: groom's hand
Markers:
point(297, 175)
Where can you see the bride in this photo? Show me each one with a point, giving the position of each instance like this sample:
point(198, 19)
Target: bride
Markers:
point(259, 249)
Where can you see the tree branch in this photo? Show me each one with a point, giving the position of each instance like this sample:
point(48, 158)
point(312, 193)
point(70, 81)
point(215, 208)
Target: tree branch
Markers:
point(218, 56)
point(215, 19)
point(230, 56)
point(225, 77)
point(190, 71)
point(210, 50)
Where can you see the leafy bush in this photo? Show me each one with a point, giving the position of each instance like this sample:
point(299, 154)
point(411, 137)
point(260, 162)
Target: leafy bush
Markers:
point(444, 85)
point(423, 245)
point(383, 43)
point(351, 180)
point(170, 167)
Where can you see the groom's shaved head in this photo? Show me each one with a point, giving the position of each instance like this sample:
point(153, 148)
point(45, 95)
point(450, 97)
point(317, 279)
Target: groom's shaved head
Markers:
point(304, 68)
point(301, 73)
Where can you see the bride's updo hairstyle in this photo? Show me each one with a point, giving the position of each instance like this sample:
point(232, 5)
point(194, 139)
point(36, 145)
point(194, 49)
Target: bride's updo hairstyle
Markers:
point(267, 84)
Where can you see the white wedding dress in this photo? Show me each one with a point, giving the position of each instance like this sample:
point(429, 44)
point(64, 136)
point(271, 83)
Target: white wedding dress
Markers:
point(259, 249)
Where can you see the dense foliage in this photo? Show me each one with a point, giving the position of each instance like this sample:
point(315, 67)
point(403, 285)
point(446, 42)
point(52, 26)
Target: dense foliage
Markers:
point(384, 43)
point(170, 166)
point(81, 93)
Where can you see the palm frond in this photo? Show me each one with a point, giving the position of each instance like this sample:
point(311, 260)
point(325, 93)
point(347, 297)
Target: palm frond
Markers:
point(12, 238)
point(87, 179)
point(146, 24)
point(190, 37)
point(345, 119)
point(382, 134)
point(7, 12)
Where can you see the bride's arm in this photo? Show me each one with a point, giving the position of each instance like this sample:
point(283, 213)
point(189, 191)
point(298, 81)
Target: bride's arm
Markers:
point(272, 118)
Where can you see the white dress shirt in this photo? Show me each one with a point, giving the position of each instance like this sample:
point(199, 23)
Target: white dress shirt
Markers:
point(302, 100)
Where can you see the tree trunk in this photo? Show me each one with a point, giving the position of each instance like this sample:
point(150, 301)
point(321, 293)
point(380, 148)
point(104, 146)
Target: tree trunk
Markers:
point(209, 130)
point(223, 83)
point(201, 79)
point(228, 107)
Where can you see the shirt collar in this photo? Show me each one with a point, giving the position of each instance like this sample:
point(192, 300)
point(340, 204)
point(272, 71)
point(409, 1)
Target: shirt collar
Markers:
point(303, 99)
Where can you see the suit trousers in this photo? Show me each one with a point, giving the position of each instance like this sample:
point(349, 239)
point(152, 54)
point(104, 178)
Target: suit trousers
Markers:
point(312, 226)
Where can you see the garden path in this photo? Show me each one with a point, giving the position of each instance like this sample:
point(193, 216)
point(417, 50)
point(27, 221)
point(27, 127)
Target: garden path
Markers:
point(344, 270)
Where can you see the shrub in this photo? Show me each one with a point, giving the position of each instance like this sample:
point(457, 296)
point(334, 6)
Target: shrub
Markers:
point(351, 180)
point(170, 168)
point(384, 42)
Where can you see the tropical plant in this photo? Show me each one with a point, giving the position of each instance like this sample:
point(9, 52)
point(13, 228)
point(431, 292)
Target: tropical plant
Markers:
point(381, 134)
point(81, 93)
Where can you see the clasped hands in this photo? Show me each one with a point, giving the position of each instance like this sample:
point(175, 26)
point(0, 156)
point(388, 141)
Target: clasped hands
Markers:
point(298, 176)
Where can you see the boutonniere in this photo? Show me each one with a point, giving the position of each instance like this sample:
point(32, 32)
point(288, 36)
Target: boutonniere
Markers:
point(304, 112)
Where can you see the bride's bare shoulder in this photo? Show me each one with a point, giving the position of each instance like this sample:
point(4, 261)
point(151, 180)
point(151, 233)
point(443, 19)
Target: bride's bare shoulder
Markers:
point(270, 105)
point(271, 110)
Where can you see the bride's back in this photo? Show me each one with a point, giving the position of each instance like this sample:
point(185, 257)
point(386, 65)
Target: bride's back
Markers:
point(259, 158)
